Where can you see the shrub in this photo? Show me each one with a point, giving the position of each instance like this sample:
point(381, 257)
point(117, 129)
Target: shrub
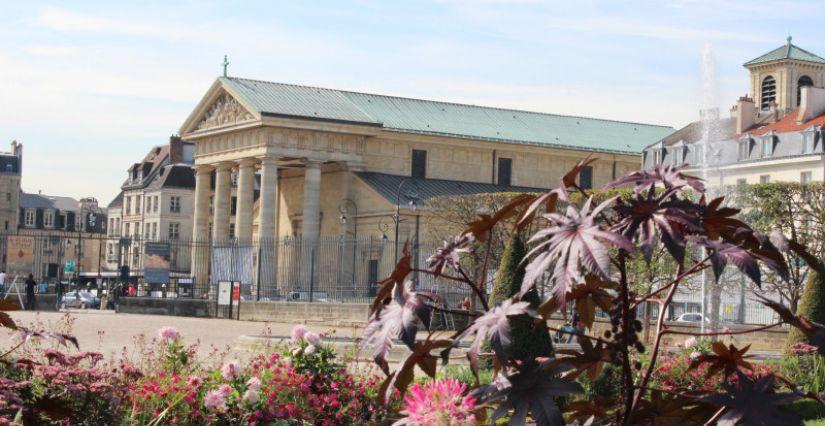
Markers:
point(804, 367)
point(812, 305)
point(529, 340)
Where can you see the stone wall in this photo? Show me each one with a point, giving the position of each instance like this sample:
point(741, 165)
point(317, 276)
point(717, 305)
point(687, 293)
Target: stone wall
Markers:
point(316, 313)
point(158, 306)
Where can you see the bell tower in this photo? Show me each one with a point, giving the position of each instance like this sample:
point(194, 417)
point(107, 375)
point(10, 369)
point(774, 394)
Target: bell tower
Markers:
point(776, 77)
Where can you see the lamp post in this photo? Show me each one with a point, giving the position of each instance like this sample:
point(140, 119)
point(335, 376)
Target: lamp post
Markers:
point(413, 198)
point(343, 209)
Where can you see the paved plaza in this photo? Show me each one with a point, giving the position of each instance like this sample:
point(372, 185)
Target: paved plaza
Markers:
point(107, 332)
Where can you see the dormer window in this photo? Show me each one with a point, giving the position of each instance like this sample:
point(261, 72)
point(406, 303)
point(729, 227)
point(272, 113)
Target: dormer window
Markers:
point(679, 153)
point(767, 145)
point(48, 218)
point(809, 140)
point(744, 149)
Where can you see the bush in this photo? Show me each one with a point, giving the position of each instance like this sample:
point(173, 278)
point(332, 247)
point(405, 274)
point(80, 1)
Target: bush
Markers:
point(529, 340)
point(672, 372)
point(812, 306)
point(804, 367)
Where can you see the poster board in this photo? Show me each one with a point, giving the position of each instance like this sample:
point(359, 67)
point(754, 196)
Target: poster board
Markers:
point(157, 263)
point(224, 293)
point(20, 257)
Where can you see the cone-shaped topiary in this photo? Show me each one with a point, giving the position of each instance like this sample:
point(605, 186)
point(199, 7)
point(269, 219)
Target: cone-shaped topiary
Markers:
point(528, 340)
point(812, 305)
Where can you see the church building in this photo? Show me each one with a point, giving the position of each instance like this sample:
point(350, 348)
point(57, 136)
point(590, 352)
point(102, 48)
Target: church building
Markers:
point(339, 163)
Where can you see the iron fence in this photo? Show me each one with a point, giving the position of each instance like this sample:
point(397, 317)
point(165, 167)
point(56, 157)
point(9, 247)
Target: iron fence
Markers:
point(334, 269)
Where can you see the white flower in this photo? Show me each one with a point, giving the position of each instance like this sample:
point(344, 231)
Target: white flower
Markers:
point(690, 342)
point(309, 350)
point(250, 396)
point(254, 383)
point(313, 338)
point(695, 354)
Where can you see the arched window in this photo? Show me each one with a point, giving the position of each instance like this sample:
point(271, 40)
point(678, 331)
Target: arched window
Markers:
point(768, 91)
point(802, 82)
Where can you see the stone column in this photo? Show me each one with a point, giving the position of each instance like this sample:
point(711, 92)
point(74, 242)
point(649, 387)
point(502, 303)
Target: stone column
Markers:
point(221, 202)
point(200, 229)
point(311, 220)
point(246, 189)
point(267, 240)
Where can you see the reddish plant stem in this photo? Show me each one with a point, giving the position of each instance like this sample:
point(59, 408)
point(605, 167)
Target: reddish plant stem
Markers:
point(698, 266)
point(659, 324)
point(462, 279)
point(586, 336)
point(483, 282)
point(724, 333)
point(476, 290)
point(627, 374)
point(457, 312)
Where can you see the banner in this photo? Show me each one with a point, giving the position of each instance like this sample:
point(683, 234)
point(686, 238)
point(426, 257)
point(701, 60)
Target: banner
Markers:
point(232, 263)
point(156, 263)
point(20, 257)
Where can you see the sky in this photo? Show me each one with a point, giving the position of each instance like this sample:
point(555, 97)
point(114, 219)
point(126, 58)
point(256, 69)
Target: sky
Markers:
point(90, 86)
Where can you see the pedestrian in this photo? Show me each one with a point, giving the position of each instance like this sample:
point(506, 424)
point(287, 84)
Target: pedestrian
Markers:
point(42, 287)
point(60, 291)
point(2, 277)
point(30, 285)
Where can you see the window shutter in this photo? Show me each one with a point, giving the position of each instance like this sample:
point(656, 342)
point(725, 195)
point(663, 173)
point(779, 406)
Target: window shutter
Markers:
point(38, 218)
point(419, 164)
point(22, 222)
point(70, 221)
point(586, 177)
point(505, 170)
point(59, 220)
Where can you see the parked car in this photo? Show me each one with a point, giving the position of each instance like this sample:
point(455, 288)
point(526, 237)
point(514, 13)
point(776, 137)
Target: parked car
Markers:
point(80, 299)
point(691, 317)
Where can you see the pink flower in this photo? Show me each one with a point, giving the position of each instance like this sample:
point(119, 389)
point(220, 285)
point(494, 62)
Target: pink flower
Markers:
point(194, 381)
point(313, 338)
point(251, 396)
point(230, 370)
point(298, 332)
point(690, 342)
point(225, 390)
point(168, 333)
point(439, 402)
point(254, 383)
point(695, 354)
point(215, 400)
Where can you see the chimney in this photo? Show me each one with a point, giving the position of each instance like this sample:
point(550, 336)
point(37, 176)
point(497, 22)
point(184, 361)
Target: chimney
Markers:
point(745, 114)
point(175, 149)
point(811, 103)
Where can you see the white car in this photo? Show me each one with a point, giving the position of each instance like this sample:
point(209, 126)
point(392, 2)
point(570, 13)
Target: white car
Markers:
point(691, 317)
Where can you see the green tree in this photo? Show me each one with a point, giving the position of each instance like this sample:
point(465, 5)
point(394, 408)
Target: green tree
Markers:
point(529, 339)
point(812, 305)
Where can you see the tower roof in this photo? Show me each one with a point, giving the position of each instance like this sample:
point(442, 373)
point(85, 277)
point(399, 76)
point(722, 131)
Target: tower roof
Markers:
point(785, 52)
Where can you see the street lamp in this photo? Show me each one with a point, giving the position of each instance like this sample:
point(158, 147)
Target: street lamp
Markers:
point(344, 208)
point(383, 227)
point(412, 205)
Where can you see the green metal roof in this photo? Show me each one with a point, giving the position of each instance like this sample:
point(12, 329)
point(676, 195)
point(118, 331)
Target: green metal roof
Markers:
point(443, 118)
point(788, 51)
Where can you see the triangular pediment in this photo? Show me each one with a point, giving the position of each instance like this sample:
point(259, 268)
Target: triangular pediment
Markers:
point(218, 109)
point(224, 111)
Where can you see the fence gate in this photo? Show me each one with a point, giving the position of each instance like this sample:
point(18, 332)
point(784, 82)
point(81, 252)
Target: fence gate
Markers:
point(228, 300)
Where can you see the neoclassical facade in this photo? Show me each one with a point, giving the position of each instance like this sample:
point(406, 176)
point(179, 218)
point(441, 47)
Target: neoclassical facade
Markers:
point(321, 155)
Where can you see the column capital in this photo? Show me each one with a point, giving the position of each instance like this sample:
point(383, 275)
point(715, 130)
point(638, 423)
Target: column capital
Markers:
point(224, 165)
point(247, 162)
point(268, 160)
point(312, 163)
point(202, 168)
